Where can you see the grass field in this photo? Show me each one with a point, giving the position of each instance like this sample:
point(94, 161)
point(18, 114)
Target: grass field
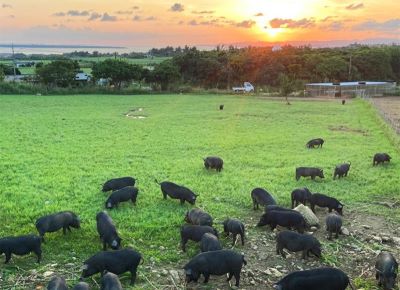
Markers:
point(56, 151)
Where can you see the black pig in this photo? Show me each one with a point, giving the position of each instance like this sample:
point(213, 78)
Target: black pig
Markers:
point(295, 242)
point(121, 195)
point(315, 142)
point(209, 242)
point(107, 231)
point(117, 262)
point(54, 222)
point(315, 279)
point(81, 286)
point(386, 270)
point(283, 218)
point(325, 201)
point(194, 233)
point(261, 197)
point(118, 183)
point(176, 191)
point(309, 171)
point(333, 224)
point(341, 170)
point(215, 263)
point(278, 208)
point(381, 158)
point(110, 281)
point(199, 217)
point(214, 162)
point(235, 227)
point(300, 195)
point(21, 245)
point(57, 283)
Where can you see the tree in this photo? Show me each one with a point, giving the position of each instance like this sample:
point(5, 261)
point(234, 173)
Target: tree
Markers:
point(2, 75)
point(287, 85)
point(60, 73)
point(166, 74)
point(8, 70)
point(117, 71)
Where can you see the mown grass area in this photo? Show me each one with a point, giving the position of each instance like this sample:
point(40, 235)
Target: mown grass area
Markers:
point(56, 151)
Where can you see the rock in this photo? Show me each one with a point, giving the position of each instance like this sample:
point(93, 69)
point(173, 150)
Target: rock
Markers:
point(386, 239)
point(164, 272)
point(313, 228)
point(366, 227)
point(345, 231)
point(396, 240)
point(250, 273)
point(174, 275)
point(254, 247)
point(275, 272)
point(48, 274)
point(377, 239)
point(252, 282)
point(309, 216)
point(162, 248)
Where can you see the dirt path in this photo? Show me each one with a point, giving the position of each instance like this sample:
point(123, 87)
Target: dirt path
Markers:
point(354, 254)
point(389, 108)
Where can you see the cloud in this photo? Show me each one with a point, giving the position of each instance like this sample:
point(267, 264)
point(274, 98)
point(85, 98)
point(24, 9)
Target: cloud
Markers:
point(124, 12)
point(245, 24)
point(335, 26)
point(290, 23)
point(78, 13)
point(391, 25)
point(59, 14)
point(5, 5)
point(135, 7)
point(355, 6)
point(108, 18)
point(177, 7)
point(94, 16)
point(193, 23)
point(140, 18)
point(259, 14)
point(203, 12)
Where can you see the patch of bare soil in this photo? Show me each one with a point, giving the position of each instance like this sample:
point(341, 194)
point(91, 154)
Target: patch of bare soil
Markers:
point(135, 113)
point(347, 129)
point(389, 108)
point(355, 253)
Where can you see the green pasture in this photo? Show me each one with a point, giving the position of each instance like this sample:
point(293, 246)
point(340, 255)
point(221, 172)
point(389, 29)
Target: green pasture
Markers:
point(56, 151)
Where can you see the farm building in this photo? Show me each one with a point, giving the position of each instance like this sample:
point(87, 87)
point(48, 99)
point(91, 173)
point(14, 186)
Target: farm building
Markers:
point(349, 89)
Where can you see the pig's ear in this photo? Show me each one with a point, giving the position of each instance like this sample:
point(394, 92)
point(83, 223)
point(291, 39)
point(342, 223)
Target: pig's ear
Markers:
point(341, 205)
point(84, 267)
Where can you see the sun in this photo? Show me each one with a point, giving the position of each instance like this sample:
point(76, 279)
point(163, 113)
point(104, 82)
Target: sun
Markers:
point(273, 32)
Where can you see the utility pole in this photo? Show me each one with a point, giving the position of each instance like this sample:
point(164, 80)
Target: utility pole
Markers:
point(349, 77)
point(15, 71)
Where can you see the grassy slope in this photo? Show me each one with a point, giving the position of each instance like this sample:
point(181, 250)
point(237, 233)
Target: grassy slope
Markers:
point(56, 151)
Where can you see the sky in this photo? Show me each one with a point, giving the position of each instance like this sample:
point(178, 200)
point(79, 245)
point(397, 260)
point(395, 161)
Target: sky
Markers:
point(158, 23)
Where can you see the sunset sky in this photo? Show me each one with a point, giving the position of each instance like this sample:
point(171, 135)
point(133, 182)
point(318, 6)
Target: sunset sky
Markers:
point(195, 22)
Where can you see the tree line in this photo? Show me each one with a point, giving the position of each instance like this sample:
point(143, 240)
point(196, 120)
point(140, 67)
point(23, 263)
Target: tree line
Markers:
point(223, 68)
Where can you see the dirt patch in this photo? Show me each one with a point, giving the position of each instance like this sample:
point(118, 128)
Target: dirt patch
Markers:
point(354, 254)
point(389, 108)
point(350, 130)
point(135, 113)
